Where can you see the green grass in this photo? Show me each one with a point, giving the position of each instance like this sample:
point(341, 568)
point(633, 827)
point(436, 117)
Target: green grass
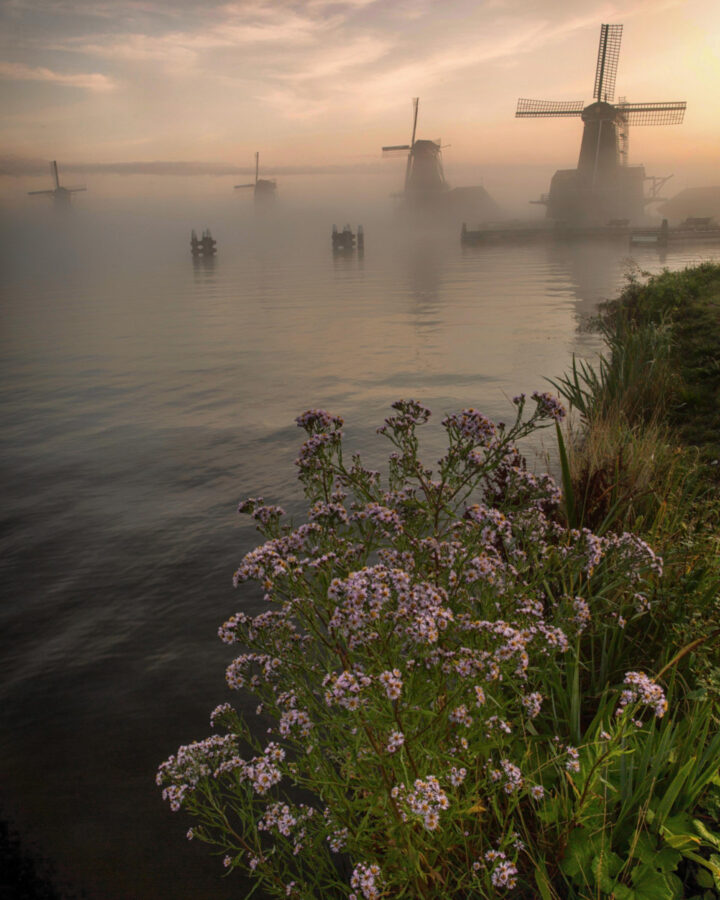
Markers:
point(644, 456)
point(687, 303)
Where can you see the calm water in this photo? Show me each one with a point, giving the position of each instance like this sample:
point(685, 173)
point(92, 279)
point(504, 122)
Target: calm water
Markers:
point(142, 397)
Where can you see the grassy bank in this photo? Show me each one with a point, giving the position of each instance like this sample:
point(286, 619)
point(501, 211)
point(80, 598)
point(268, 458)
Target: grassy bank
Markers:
point(646, 455)
point(644, 458)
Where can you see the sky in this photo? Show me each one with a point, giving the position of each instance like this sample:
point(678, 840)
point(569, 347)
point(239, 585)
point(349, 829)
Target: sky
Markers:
point(322, 84)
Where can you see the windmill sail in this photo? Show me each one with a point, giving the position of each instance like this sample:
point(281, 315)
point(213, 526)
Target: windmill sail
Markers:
point(539, 108)
point(669, 113)
point(607, 62)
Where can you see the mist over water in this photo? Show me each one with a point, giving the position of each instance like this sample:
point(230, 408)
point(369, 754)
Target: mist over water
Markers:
point(143, 394)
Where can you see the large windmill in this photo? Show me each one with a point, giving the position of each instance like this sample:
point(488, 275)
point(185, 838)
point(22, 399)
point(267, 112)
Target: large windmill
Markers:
point(424, 170)
point(61, 195)
point(264, 188)
point(603, 187)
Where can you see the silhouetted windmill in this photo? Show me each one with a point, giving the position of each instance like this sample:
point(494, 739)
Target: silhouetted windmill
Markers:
point(59, 194)
point(264, 188)
point(603, 186)
point(424, 170)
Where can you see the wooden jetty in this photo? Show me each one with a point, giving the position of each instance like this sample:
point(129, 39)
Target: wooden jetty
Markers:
point(692, 231)
point(531, 231)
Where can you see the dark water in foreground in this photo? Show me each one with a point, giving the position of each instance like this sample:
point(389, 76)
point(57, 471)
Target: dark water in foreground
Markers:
point(142, 397)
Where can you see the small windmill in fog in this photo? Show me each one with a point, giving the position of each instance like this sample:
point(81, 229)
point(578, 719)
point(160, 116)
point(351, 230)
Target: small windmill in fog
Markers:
point(603, 186)
point(425, 189)
point(60, 194)
point(424, 169)
point(264, 188)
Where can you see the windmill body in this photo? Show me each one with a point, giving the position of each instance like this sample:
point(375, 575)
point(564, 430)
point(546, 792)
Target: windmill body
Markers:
point(263, 188)
point(425, 189)
point(603, 187)
point(61, 195)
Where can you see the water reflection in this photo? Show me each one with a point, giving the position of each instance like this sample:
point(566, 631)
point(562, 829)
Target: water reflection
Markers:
point(426, 273)
point(204, 269)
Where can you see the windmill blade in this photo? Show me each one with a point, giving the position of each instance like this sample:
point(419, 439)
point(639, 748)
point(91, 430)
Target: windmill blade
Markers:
point(669, 113)
point(396, 150)
point(416, 104)
point(607, 62)
point(54, 173)
point(538, 108)
point(245, 185)
point(41, 192)
point(75, 190)
point(257, 165)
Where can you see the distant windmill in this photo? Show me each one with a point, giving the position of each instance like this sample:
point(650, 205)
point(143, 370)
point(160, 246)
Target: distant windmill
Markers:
point(603, 186)
point(264, 188)
point(59, 194)
point(424, 170)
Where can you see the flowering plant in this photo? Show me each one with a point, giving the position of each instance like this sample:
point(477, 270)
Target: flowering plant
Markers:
point(421, 667)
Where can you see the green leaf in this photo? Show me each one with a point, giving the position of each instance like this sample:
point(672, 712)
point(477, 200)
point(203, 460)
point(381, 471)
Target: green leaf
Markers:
point(666, 860)
point(682, 842)
point(543, 884)
point(714, 863)
point(644, 848)
point(568, 491)
point(579, 854)
point(665, 805)
point(604, 867)
point(704, 878)
point(711, 837)
point(653, 885)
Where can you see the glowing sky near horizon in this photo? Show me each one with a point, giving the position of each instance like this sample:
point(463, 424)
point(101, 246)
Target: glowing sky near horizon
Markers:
point(327, 82)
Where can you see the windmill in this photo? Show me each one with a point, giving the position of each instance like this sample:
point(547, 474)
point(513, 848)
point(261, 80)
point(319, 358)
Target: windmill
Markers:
point(604, 186)
point(423, 171)
point(61, 195)
point(264, 188)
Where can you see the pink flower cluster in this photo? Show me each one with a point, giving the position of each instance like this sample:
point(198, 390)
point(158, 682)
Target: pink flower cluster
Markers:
point(642, 689)
point(425, 801)
point(392, 681)
point(504, 873)
point(318, 419)
point(549, 407)
point(346, 688)
point(368, 880)
point(471, 425)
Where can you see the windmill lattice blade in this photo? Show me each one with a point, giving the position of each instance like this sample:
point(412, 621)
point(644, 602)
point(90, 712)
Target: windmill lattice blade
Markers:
point(671, 113)
point(389, 152)
point(607, 62)
point(416, 103)
point(537, 108)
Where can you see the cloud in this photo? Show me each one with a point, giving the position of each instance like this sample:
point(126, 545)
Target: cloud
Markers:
point(91, 81)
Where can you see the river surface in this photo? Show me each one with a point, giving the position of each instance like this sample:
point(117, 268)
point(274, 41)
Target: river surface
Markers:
point(142, 396)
